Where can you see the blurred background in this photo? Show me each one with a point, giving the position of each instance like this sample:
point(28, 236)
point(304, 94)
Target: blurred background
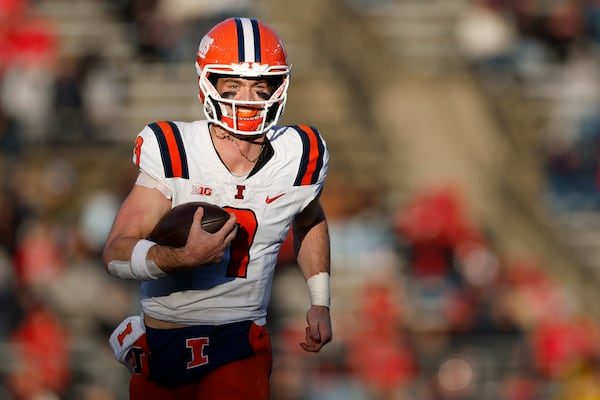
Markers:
point(463, 194)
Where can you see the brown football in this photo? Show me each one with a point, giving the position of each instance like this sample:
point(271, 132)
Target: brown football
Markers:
point(172, 229)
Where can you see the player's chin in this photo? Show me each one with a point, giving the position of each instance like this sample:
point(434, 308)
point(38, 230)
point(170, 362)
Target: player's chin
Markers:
point(248, 138)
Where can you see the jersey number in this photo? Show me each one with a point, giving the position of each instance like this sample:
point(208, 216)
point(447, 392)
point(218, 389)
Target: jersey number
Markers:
point(240, 247)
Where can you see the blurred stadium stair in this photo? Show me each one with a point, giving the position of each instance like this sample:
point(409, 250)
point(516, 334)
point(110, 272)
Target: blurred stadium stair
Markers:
point(84, 25)
point(419, 34)
point(153, 90)
point(581, 231)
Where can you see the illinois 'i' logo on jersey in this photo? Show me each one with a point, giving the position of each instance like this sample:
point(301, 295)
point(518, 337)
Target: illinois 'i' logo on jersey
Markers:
point(240, 192)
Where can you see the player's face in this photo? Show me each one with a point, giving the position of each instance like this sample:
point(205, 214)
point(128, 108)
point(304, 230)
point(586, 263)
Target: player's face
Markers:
point(234, 88)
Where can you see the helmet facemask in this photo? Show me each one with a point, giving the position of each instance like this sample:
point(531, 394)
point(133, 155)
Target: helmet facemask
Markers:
point(243, 117)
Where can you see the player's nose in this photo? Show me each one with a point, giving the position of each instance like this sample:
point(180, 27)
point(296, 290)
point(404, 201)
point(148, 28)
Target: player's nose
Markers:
point(245, 94)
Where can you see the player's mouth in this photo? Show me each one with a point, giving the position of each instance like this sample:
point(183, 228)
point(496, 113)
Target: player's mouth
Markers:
point(247, 113)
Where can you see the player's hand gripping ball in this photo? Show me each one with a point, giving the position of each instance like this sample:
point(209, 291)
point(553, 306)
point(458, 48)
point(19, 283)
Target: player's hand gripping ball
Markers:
point(173, 228)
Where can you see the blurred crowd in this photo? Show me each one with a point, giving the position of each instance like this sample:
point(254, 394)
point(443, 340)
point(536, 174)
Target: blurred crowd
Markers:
point(425, 309)
point(423, 306)
point(551, 51)
point(48, 97)
point(167, 30)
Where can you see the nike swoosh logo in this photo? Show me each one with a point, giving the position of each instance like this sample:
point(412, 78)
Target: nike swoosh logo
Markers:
point(269, 200)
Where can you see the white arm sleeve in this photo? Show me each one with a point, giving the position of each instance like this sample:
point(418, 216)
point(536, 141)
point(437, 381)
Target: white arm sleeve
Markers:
point(146, 180)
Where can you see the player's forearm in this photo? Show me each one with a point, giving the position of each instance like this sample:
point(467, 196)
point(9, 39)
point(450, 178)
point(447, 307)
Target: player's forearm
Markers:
point(312, 249)
point(168, 259)
point(132, 258)
point(313, 255)
point(118, 248)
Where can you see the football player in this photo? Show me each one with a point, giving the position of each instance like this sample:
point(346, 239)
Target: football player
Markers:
point(202, 330)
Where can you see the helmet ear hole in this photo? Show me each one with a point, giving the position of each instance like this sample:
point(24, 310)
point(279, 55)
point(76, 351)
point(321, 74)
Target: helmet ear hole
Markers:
point(274, 82)
point(213, 78)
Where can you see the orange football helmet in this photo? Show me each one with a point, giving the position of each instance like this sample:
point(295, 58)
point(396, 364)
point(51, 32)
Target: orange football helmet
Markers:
point(245, 48)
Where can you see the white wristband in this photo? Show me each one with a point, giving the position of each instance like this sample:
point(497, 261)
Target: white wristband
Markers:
point(139, 267)
point(318, 286)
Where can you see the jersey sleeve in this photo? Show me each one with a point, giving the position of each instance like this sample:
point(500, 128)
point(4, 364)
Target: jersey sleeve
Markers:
point(313, 162)
point(159, 152)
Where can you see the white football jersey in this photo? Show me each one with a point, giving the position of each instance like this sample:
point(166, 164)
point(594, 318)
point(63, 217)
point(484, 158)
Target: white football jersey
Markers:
point(181, 155)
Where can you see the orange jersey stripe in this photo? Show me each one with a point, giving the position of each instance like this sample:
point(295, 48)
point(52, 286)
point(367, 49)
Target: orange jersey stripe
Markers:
point(313, 155)
point(173, 147)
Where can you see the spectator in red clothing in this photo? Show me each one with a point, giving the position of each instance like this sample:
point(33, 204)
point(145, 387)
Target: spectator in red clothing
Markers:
point(38, 258)
point(42, 358)
point(28, 52)
point(25, 39)
point(432, 226)
point(384, 362)
point(561, 344)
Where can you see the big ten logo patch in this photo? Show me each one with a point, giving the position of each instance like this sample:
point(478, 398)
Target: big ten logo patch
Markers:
point(202, 190)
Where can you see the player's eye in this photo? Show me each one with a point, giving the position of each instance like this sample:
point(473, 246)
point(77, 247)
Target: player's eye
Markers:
point(263, 95)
